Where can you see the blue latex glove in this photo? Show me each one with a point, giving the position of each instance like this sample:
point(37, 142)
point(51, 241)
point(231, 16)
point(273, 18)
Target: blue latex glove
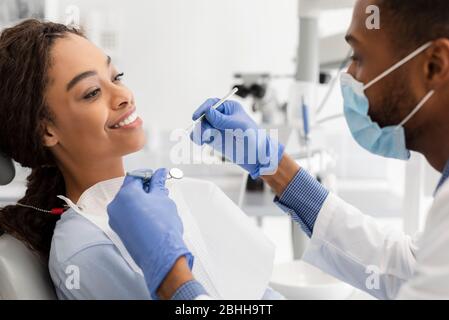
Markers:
point(227, 128)
point(147, 222)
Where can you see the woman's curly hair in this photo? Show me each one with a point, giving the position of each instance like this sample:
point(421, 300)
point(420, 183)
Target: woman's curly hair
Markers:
point(24, 63)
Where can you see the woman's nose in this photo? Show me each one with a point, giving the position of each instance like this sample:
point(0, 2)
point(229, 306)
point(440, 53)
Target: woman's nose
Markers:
point(122, 105)
point(122, 99)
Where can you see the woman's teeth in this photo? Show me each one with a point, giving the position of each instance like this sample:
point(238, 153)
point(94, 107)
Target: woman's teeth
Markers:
point(130, 119)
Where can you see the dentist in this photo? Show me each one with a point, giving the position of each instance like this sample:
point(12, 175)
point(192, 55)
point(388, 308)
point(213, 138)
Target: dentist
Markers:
point(396, 99)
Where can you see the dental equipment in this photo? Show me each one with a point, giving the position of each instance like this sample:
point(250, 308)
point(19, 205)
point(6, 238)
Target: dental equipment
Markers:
point(173, 173)
point(305, 119)
point(215, 106)
point(54, 211)
point(306, 128)
point(259, 90)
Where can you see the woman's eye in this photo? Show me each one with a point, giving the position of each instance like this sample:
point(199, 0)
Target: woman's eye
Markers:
point(92, 94)
point(119, 77)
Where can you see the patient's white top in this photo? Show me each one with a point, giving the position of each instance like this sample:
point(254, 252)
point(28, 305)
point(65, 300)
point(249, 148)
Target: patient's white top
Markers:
point(82, 251)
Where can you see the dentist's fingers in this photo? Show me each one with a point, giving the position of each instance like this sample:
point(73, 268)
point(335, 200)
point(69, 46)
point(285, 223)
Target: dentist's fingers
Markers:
point(198, 133)
point(203, 108)
point(132, 182)
point(217, 119)
point(157, 182)
point(130, 188)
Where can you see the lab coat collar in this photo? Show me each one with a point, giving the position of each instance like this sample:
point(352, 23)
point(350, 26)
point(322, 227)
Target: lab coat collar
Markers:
point(444, 177)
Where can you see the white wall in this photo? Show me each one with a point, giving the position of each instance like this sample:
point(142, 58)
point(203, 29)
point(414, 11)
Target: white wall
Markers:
point(177, 53)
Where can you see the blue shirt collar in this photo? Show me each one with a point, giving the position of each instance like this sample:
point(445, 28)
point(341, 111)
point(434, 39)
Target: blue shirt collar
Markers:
point(444, 177)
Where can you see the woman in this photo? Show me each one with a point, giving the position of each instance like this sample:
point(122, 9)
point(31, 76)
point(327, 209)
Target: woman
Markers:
point(63, 109)
point(68, 117)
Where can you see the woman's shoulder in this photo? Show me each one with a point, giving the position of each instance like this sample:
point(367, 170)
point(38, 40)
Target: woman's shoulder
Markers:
point(74, 233)
point(79, 247)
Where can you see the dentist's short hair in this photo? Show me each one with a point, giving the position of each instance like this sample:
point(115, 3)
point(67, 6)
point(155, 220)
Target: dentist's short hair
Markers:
point(415, 22)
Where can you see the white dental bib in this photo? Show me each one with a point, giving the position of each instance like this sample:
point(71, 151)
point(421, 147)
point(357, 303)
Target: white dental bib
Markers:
point(233, 259)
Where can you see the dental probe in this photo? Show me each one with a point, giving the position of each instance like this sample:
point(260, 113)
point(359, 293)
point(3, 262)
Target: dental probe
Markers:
point(215, 106)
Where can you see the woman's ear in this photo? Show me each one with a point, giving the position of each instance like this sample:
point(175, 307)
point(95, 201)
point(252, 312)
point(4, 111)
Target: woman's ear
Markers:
point(437, 67)
point(50, 137)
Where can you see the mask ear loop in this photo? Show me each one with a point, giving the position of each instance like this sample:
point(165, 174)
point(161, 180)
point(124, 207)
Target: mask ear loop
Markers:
point(398, 65)
point(418, 107)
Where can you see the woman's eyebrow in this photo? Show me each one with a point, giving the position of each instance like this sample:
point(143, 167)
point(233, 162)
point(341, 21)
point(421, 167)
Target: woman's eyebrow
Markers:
point(84, 75)
point(80, 77)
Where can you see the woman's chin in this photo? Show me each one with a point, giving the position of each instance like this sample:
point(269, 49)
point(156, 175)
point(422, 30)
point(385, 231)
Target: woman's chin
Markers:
point(134, 144)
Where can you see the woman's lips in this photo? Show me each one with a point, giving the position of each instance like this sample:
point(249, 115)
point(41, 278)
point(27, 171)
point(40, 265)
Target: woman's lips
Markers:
point(135, 124)
point(126, 121)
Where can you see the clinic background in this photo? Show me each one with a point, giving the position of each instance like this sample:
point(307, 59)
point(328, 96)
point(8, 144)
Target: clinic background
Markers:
point(177, 53)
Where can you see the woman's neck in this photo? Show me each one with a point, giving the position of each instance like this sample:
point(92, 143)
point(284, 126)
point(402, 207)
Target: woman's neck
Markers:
point(79, 179)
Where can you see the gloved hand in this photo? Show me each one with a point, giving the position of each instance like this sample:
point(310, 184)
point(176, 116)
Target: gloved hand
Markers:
point(147, 221)
point(227, 128)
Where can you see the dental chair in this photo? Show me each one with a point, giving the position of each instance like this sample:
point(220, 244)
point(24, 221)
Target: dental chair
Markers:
point(23, 275)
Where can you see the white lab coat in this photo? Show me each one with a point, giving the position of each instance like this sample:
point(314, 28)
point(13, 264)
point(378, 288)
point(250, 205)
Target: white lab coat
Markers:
point(352, 247)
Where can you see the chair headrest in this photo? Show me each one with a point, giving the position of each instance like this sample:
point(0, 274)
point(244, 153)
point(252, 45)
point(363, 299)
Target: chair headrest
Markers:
point(23, 275)
point(7, 170)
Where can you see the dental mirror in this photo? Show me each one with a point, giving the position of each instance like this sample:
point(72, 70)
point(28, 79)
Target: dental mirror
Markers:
point(175, 173)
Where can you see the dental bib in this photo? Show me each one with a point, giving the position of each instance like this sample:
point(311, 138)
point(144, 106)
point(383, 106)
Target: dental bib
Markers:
point(233, 258)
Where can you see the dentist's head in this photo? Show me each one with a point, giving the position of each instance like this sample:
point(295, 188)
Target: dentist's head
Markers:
point(66, 115)
point(405, 108)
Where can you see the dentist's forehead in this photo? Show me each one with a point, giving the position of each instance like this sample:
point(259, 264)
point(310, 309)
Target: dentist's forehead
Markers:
point(360, 31)
point(369, 41)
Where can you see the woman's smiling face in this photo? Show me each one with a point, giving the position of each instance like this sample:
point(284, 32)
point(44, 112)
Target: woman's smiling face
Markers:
point(94, 113)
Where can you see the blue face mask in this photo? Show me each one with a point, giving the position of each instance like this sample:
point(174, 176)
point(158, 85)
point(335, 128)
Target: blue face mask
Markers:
point(388, 141)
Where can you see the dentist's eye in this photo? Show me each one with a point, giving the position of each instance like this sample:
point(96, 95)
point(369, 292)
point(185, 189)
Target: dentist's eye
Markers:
point(92, 94)
point(355, 57)
point(119, 77)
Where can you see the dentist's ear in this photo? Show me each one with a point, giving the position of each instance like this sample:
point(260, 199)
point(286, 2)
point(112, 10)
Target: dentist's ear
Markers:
point(50, 138)
point(437, 66)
